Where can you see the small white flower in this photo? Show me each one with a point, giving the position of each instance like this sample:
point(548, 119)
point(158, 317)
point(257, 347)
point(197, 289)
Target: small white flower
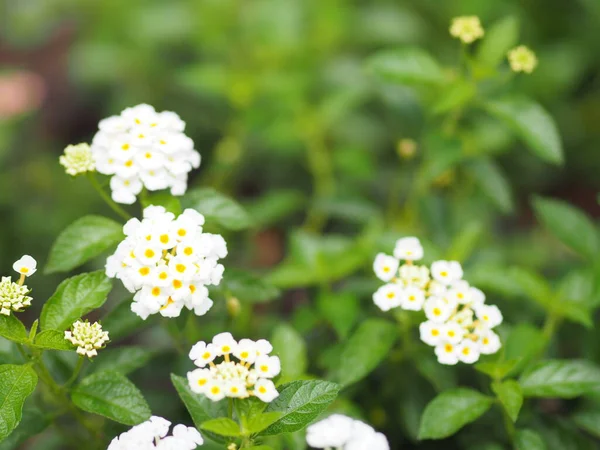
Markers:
point(446, 353)
point(437, 310)
point(466, 28)
point(203, 354)
point(412, 298)
point(88, 337)
point(13, 296)
point(263, 347)
point(460, 292)
point(489, 315)
point(446, 272)
point(265, 390)
point(431, 332)
point(215, 390)
point(411, 275)
point(388, 296)
point(489, 342)
point(468, 351)
point(77, 159)
point(409, 249)
point(453, 332)
point(198, 380)
point(26, 265)
point(334, 431)
point(385, 267)
point(246, 351)
point(267, 366)
point(224, 344)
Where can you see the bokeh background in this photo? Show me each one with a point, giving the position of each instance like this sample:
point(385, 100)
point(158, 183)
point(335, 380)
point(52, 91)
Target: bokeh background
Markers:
point(289, 122)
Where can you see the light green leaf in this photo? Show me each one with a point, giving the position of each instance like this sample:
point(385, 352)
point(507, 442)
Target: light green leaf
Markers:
point(122, 359)
point(560, 378)
point(450, 411)
point(12, 328)
point(466, 241)
point(406, 65)
point(112, 395)
point(217, 208)
point(454, 96)
point(523, 343)
point(248, 287)
point(532, 285)
point(533, 124)
point(74, 298)
point(368, 346)
point(16, 384)
point(52, 340)
point(492, 182)
point(259, 422)
point(528, 440)
point(569, 224)
point(121, 322)
point(164, 199)
point(497, 369)
point(33, 422)
point(340, 309)
point(502, 36)
point(222, 426)
point(300, 402)
point(510, 395)
point(81, 241)
point(289, 345)
point(275, 206)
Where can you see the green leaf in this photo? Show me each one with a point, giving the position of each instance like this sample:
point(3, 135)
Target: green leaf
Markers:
point(112, 395)
point(259, 422)
point(340, 309)
point(497, 369)
point(74, 298)
point(533, 124)
point(217, 208)
point(52, 340)
point(502, 36)
point(33, 422)
point(248, 287)
point(222, 426)
point(81, 241)
point(492, 183)
point(454, 96)
point(274, 206)
point(406, 65)
point(450, 411)
point(560, 378)
point(588, 419)
point(16, 384)
point(122, 359)
point(528, 440)
point(569, 224)
point(368, 346)
point(300, 402)
point(466, 241)
point(523, 343)
point(510, 395)
point(289, 345)
point(164, 199)
point(532, 285)
point(12, 329)
point(121, 322)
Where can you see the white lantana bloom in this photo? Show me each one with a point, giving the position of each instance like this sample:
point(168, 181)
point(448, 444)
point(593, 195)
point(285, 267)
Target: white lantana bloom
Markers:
point(168, 262)
point(152, 434)
point(250, 376)
point(144, 148)
point(13, 296)
point(88, 337)
point(344, 433)
point(26, 265)
point(466, 28)
point(77, 159)
point(409, 249)
point(459, 323)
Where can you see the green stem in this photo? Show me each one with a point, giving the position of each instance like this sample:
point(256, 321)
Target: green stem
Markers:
point(75, 372)
point(319, 163)
point(109, 201)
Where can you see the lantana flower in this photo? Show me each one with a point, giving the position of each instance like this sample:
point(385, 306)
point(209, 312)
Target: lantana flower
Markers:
point(14, 296)
point(344, 433)
point(522, 59)
point(459, 324)
point(167, 262)
point(250, 375)
point(152, 434)
point(466, 28)
point(144, 148)
point(88, 337)
point(77, 159)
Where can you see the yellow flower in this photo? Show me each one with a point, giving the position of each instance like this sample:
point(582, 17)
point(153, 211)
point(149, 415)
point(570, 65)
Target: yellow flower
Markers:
point(522, 59)
point(466, 28)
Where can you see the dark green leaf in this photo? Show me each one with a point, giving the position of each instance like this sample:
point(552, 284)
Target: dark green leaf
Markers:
point(16, 384)
point(289, 345)
point(340, 309)
point(560, 378)
point(33, 422)
point(588, 419)
point(81, 241)
point(11, 328)
point(300, 402)
point(510, 395)
point(569, 224)
point(275, 206)
point(528, 440)
point(533, 124)
point(222, 426)
point(247, 287)
point(532, 285)
point(218, 208)
point(450, 411)
point(53, 340)
point(406, 65)
point(523, 343)
point(74, 298)
point(112, 395)
point(121, 322)
point(122, 359)
point(493, 183)
point(365, 349)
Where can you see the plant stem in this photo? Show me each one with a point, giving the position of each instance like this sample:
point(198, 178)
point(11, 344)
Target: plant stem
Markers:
point(75, 372)
point(109, 201)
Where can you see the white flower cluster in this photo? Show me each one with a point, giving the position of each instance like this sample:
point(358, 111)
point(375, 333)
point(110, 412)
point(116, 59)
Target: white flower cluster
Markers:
point(167, 262)
point(88, 337)
point(14, 295)
point(466, 28)
point(459, 323)
point(77, 159)
point(344, 433)
point(235, 379)
point(152, 435)
point(144, 148)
